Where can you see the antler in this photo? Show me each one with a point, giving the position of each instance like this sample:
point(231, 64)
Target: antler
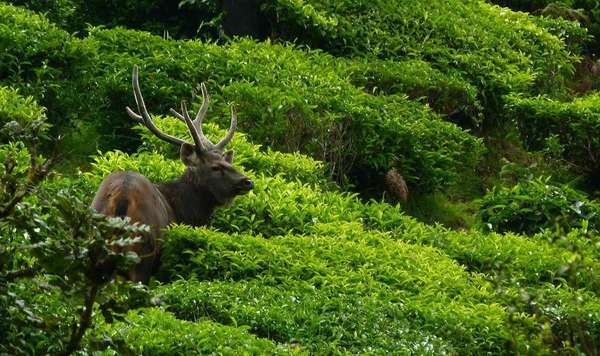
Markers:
point(146, 120)
point(197, 122)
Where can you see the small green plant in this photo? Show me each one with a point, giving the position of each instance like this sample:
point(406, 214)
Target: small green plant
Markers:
point(537, 204)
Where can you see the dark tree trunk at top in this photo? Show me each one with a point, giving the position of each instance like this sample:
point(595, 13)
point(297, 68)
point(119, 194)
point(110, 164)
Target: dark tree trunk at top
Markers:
point(244, 18)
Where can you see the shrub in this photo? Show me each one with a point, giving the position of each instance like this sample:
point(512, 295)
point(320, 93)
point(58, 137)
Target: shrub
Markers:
point(585, 12)
point(321, 321)
point(157, 16)
point(536, 204)
point(576, 36)
point(499, 51)
point(447, 93)
point(280, 207)
point(287, 99)
point(18, 114)
point(56, 256)
point(568, 317)
point(575, 124)
point(34, 50)
point(152, 331)
point(513, 257)
point(360, 292)
point(39, 59)
point(65, 14)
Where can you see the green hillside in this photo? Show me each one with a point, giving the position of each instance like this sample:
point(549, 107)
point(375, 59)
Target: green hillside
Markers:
point(477, 108)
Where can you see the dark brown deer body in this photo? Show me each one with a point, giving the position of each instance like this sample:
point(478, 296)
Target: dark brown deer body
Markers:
point(208, 181)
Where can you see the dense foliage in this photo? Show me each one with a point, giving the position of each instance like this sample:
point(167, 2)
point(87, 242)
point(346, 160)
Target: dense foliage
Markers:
point(442, 92)
point(498, 51)
point(37, 57)
point(56, 255)
point(586, 12)
point(289, 102)
point(574, 126)
point(534, 205)
point(151, 331)
point(160, 17)
point(379, 291)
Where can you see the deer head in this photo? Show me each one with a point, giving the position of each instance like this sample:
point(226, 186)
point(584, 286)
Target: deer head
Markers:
point(206, 163)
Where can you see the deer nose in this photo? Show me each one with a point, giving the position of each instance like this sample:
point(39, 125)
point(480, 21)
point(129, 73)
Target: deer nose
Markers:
point(247, 183)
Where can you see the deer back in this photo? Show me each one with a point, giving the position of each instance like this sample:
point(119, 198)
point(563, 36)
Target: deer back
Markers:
point(131, 194)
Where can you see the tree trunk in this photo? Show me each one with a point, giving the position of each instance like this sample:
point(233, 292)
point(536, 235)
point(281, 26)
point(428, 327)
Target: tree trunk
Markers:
point(244, 18)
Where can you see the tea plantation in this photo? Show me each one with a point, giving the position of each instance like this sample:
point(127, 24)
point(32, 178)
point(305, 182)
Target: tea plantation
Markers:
point(478, 110)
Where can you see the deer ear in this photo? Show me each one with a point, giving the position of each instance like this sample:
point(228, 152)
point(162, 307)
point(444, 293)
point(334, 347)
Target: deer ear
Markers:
point(188, 155)
point(228, 156)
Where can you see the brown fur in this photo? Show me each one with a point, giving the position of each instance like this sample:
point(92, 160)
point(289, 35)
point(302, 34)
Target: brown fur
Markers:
point(396, 185)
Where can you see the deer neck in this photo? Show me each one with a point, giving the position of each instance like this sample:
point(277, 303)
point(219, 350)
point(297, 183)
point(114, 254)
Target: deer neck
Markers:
point(191, 204)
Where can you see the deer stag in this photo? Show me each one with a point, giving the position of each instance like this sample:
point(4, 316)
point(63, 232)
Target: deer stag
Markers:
point(209, 181)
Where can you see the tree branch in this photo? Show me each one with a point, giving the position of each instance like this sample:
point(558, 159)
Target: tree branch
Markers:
point(84, 321)
point(12, 275)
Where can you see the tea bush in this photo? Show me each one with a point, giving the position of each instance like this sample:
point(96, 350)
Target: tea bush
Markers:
point(241, 268)
point(576, 125)
point(157, 16)
point(296, 265)
point(40, 59)
point(575, 35)
point(498, 50)
point(584, 11)
point(567, 317)
point(287, 99)
point(447, 93)
point(359, 294)
point(252, 281)
point(152, 331)
point(34, 50)
point(277, 206)
point(63, 13)
point(513, 257)
point(320, 321)
point(17, 111)
point(537, 204)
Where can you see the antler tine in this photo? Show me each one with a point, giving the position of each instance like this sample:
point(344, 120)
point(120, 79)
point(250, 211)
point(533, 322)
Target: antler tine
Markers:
point(232, 127)
point(134, 116)
point(191, 126)
point(199, 118)
point(145, 118)
point(202, 112)
point(206, 143)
